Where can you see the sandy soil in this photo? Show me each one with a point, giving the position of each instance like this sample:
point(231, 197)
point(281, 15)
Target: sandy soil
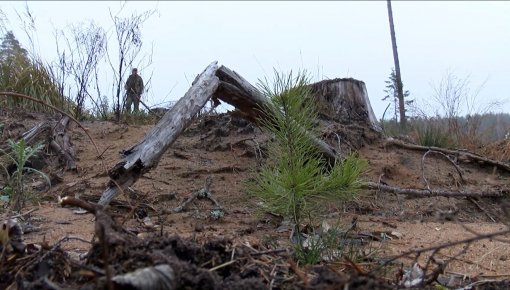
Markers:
point(227, 150)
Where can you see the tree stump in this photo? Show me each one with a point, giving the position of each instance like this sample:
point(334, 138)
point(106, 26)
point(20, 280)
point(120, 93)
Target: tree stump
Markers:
point(345, 101)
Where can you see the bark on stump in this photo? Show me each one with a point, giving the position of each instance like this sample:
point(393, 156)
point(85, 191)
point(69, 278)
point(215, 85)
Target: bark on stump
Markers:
point(345, 101)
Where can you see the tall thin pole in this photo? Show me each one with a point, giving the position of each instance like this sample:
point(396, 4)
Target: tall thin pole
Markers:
point(400, 90)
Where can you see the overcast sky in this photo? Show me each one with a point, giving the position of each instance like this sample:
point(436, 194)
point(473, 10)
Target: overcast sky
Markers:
point(328, 39)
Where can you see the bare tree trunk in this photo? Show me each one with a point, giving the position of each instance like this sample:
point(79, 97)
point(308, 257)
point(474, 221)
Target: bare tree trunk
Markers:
point(400, 90)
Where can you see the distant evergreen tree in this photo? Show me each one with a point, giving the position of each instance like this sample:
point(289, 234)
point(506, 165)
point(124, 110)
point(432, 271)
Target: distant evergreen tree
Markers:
point(11, 50)
point(392, 94)
point(13, 60)
point(21, 74)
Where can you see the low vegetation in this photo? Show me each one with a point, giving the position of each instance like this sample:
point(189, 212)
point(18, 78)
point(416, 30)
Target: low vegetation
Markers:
point(15, 168)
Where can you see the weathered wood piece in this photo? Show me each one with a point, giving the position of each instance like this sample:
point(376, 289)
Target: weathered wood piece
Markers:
point(238, 92)
point(61, 144)
point(37, 130)
point(146, 154)
point(30, 135)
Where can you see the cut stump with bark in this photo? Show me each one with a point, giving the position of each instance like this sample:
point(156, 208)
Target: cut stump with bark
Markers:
point(345, 101)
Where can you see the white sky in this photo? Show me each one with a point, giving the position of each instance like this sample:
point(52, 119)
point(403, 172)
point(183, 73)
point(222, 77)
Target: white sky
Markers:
point(329, 39)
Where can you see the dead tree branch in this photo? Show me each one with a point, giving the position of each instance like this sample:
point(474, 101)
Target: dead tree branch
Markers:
point(463, 156)
point(441, 154)
point(422, 193)
point(436, 249)
point(238, 92)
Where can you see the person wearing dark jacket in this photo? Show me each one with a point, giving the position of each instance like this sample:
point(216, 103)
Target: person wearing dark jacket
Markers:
point(134, 90)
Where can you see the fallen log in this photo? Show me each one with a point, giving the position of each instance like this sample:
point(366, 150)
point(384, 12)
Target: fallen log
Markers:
point(463, 156)
point(422, 193)
point(30, 135)
point(146, 154)
point(35, 131)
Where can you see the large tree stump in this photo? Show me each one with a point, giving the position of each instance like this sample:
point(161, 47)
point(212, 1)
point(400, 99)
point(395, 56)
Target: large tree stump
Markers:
point(345, 101)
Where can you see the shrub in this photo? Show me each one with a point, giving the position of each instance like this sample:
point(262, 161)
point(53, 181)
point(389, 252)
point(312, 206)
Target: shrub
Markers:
point(432, 132)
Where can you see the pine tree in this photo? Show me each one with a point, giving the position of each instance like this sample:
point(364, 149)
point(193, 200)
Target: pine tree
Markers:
point(21, 74)
point(392, 94)
point(11, 50)
point(296, 182)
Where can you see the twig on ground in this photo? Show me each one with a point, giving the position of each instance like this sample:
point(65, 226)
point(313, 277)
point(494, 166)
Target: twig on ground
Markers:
point(100, 156)
point(477, 283)
point(202, 193)
point(466, 261)
point(222, 265)
point(353, 265)
point(471, 199)
point(443, 246)
point(421, 193)
point(441, 154)
point(275, 251)
point(158, 180)
point(22, 215)
point(464, 226)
